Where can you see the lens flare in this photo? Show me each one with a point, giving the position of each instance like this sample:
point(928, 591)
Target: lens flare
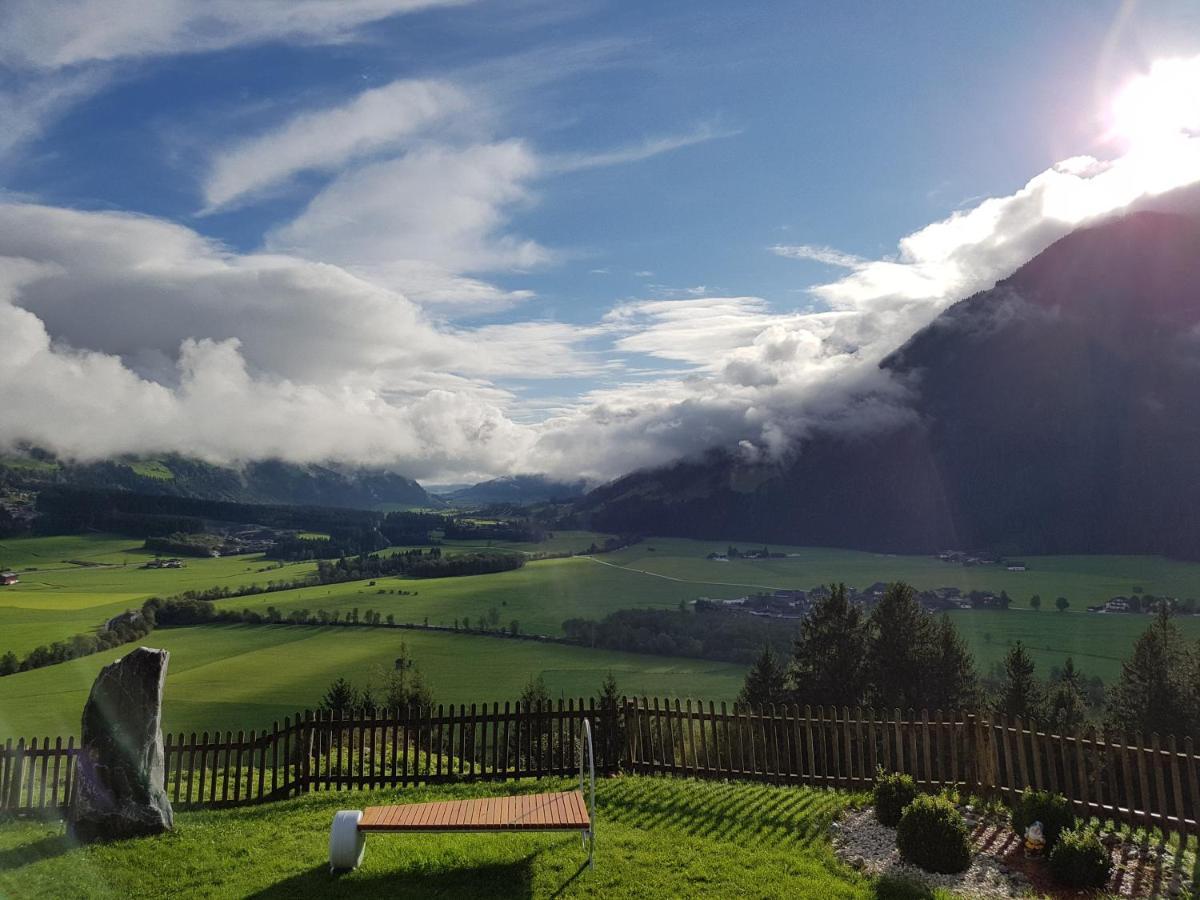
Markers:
point(1160, 106)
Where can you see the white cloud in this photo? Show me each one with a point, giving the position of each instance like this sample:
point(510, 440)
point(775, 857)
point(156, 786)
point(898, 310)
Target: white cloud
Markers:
point(49, 34)
point(818, 253)
point(646, 149)
point(435, 213)
point(373, 121)
point(129, 334)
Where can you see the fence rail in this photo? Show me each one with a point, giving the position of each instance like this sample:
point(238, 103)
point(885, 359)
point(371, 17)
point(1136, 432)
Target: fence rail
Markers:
point(1154, 783)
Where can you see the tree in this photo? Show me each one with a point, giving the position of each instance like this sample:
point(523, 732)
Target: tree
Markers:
point(766, 682)
point(8, 663)
point(1035, 602)
point(514, 627)
point(1157, 690)
point(1021, 695)
point(1066, 707)
point(952, 682)
point(611, 730)
point(828, 657)
point(538, 731)
point(341, 698)
point(404, 686)
point(1062, 603)
point(899, 651)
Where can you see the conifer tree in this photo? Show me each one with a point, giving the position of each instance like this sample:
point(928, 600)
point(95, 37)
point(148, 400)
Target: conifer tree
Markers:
point(1065, 706)
point(953, 682)
point(829, 656)
point(1157, 690)
point(1021, 695)
point(340, 698)
point(898, 655)
point(766, 682)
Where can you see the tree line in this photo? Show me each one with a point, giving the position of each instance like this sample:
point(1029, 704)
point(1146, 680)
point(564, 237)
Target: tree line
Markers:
point(899, 657)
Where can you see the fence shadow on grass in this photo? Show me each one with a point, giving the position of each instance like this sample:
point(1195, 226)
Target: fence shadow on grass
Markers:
point(764, 815)
point(498, 880)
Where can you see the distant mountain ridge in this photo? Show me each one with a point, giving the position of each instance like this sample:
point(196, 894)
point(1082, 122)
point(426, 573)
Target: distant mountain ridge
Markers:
point(1058, 412)
point(267, 481)
point(515, 489)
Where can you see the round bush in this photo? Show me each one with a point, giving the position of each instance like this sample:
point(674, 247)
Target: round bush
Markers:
point(893, 793)
point(933, 835)
point(1080, 860)
point(1052, 810)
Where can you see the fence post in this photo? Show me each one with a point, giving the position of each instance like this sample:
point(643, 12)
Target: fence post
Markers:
point(985, 756)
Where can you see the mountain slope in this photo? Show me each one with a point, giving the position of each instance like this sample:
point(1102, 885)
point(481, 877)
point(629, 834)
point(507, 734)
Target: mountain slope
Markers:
point(1057, 412)
point(516, 489)
point(267, 481)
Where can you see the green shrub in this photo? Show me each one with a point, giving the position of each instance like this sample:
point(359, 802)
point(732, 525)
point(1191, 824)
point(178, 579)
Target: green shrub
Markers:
point(1052, 810)
point(1080, 860)
point(933, 835)
point(892, 793)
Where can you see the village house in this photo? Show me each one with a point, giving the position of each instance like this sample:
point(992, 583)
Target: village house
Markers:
point(8, 578)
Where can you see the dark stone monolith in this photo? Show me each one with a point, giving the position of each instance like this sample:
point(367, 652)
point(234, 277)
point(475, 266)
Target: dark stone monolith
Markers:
point(119, 771)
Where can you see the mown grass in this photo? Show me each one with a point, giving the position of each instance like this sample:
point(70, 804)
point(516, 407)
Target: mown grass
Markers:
point(242, 676)
point(654, 838)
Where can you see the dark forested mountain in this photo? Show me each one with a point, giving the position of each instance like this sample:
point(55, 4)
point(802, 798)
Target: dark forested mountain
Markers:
point(268, 481)
point(515, 489)
point(1058, 412)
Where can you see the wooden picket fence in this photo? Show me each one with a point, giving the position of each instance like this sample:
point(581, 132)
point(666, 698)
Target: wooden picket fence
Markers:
point(318, 751)
point(1154, 783)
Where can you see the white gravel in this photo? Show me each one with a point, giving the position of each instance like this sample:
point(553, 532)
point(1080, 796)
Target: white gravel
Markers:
point(860, 841)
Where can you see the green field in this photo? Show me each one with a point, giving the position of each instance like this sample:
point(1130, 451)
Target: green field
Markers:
point(539, 596)
point(241, 676)
point(1083, 580)
point(58, 597)
point(655, 837)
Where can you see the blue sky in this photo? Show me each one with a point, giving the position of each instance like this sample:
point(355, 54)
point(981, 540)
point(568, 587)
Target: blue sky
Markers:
point(576, 238)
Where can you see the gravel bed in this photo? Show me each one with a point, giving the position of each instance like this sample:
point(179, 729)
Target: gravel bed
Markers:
point(998, 864)
point(860, 841)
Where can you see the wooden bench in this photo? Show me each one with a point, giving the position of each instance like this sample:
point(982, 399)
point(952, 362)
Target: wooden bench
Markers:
point(558, 811)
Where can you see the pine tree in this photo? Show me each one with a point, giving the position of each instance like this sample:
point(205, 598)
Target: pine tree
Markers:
point(611, 737)
point(341, 698)
point(898, 656)
point(1021, 695)
point(953, 682)
point(404, 686)
point(828, 658)
point(1157, 690)
point(1066, 707)
point(766, 682)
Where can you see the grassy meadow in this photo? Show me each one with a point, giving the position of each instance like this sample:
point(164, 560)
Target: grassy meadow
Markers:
point(1083, 580)
point(655, 837)
point(245, 676)
point(242, 676)
point(72, 584)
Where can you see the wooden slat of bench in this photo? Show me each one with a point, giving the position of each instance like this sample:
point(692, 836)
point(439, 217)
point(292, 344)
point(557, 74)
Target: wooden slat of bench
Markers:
point(563, 810)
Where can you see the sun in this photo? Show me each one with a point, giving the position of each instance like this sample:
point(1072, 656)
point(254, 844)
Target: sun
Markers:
point(1160, 106)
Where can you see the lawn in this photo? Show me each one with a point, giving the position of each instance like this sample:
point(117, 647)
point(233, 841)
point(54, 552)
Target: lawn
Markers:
point(233, 677)
point(655, 837)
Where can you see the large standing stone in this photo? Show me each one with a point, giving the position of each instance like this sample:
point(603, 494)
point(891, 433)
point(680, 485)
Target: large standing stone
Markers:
point(119, 771)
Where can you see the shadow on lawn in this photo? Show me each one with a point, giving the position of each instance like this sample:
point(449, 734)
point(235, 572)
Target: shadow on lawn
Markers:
point(502, 880)
point(44, 848)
